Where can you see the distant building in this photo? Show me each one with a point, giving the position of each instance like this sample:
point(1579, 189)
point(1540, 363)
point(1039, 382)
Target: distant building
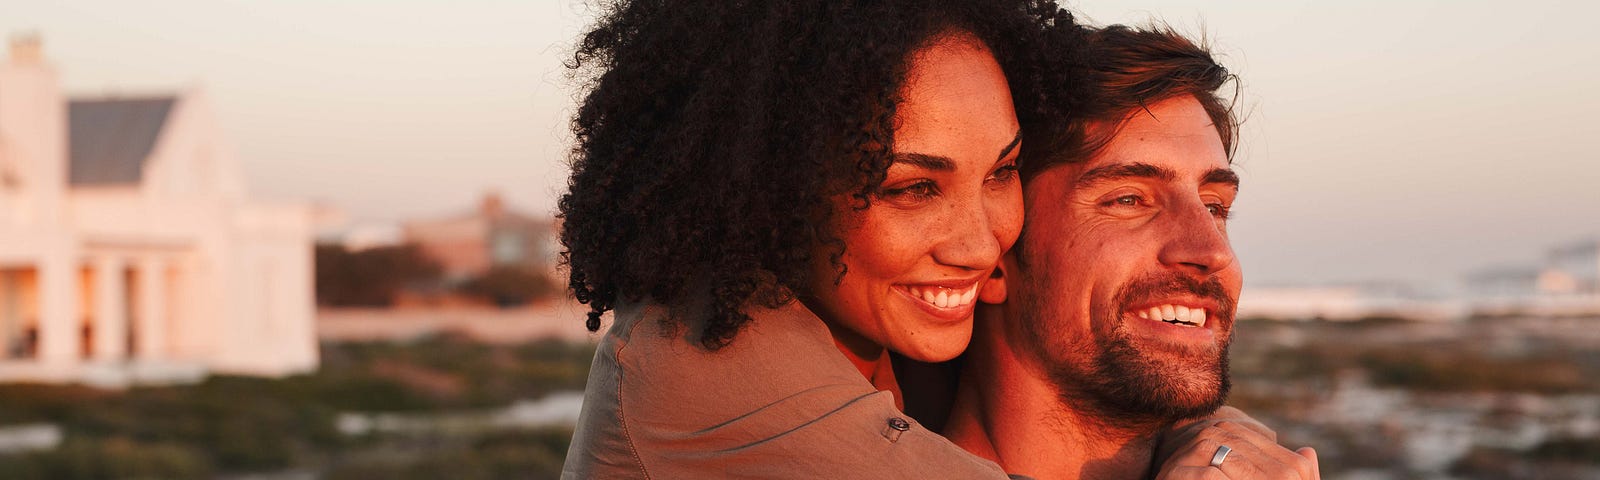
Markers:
point(129, 251)
point(1572, 269)
point(1566, 282)
point(469, 244)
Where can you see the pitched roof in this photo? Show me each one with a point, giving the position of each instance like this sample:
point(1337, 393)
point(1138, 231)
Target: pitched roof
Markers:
point(110, 139)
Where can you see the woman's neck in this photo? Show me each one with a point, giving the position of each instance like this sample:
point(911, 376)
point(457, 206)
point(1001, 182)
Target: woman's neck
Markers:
point(871, 359)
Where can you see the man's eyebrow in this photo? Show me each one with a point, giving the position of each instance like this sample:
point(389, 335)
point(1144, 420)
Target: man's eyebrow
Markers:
point(1015, 140)
point(931, 162)
point(1123, 170)
point(1221, 175)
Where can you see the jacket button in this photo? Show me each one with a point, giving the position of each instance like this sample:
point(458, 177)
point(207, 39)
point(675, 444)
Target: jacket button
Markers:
point(900, 424)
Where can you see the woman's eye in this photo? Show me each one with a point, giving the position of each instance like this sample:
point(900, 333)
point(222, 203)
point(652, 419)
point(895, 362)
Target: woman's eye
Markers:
point(913, 193)
point(1004, 174)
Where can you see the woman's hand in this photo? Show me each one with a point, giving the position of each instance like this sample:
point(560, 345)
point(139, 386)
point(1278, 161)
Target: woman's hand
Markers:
point(1193, 451)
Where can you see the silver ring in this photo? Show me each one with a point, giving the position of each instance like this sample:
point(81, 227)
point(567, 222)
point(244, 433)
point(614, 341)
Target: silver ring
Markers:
point(1222, 454)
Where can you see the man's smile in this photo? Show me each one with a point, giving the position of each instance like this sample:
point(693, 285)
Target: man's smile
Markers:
point(1175, 314)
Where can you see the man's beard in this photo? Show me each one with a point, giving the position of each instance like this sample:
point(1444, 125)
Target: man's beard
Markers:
point(1134, 384)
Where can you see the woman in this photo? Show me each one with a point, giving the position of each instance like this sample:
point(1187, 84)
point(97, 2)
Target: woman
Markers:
point(771, 195)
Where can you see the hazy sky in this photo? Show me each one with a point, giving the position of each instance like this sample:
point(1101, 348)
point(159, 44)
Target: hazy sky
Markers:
point(1404, 139)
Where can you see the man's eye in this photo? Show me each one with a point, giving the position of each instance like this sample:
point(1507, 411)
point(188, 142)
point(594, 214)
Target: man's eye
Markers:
point(1129, 200)
point(1218, 210)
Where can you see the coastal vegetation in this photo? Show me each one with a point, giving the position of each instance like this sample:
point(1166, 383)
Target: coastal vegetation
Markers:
point(1502, 398)
point(231, 425)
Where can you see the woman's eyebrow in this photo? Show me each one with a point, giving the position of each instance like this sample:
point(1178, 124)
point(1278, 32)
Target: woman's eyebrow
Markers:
point(941, 163)
point(1015, 140)
point(936, 163)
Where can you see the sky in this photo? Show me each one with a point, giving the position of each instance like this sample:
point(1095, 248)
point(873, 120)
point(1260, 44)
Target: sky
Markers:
point(1399, 140)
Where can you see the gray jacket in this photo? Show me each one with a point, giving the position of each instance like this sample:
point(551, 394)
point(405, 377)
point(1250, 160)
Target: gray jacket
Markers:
point(780, 401)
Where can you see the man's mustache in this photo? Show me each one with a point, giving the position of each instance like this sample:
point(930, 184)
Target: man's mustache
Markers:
point(1156, 286)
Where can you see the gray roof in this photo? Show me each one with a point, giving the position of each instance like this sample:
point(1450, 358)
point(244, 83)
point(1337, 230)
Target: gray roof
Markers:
point(111, 139)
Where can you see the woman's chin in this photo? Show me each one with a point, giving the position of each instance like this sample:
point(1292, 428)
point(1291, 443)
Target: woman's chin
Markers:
point(936, 346)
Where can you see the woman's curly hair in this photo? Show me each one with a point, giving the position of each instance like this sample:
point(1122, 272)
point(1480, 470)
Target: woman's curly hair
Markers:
point(715, 132)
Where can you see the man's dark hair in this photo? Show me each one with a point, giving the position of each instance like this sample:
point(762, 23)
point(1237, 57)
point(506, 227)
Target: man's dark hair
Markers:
point(714, 134)
point(1113, 73)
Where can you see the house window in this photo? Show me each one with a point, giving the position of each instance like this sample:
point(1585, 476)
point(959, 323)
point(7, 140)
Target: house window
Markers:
point(507, 248)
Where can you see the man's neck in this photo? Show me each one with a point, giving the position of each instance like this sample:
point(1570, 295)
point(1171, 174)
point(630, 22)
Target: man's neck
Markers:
point(1008, 411)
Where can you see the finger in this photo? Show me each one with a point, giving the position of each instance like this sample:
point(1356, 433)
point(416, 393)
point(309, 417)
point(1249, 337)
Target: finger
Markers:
point(1305, 468)
point(1197, 451)
point(1184, 431)
point(1250, 429)
point(1231, 414)
point(1192, 473)
point(1273, 458)
point(1301, 466)
point(1252, 461)
point(1200, 453)
point(1316, 465)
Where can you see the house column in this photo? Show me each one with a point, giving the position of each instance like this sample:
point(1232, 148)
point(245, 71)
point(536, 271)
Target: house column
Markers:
point(152, 292)
point(10, 315)
point(110, 310)
point(58, 310)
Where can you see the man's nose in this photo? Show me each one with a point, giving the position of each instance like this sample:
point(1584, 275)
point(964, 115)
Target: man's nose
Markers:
point(967, 237)
point(1195, 240)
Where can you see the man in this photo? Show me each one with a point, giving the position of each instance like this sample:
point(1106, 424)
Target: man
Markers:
point(1120, 293)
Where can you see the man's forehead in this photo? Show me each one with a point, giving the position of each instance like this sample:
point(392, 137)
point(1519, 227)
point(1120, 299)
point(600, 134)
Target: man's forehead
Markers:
point(1175, 134)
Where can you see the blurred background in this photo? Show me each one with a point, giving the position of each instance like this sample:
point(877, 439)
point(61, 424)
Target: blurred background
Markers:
point(297, 240)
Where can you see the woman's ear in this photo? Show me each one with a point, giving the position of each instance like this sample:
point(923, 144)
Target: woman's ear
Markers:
point(994, 290)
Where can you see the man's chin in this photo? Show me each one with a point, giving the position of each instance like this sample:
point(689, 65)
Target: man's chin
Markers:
point(1132, 388)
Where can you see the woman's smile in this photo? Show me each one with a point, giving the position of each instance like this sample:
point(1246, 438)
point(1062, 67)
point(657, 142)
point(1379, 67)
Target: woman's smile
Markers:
point(946, 300)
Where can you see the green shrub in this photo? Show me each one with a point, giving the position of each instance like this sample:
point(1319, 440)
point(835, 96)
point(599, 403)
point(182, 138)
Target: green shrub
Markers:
point(235, 424)
point(1582, 450)
point(118, 458)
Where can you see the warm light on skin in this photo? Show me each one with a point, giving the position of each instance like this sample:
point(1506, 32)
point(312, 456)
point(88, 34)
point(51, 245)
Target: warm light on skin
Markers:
point(1039, 395)
point(949, 206)
point(1152, 205)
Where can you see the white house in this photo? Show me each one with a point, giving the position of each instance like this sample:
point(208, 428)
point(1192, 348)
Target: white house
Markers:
point(128, 249)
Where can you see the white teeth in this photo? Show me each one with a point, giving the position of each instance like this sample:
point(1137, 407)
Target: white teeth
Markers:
point(1175, 314)
point(944, 297)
